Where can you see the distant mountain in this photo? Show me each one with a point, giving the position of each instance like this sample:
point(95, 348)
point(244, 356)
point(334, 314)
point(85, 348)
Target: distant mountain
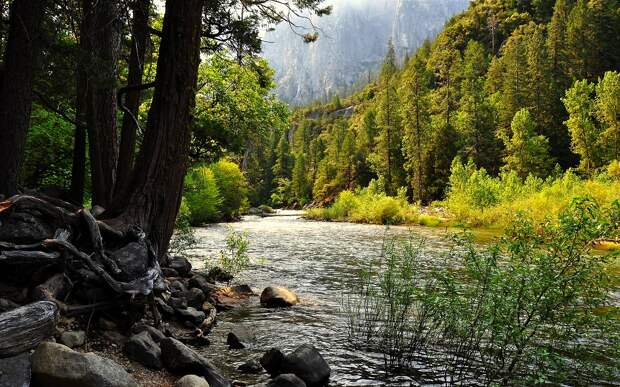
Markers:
point(352, 44)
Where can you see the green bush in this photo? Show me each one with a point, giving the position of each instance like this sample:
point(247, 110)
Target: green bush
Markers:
point(529, 310)
point(478, 199)
point(202, 196)
point(234, 258)
point(184, 237)
point(369, 205)
point(233, 188)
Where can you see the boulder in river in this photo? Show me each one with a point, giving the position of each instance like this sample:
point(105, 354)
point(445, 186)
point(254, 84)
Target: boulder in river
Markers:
point(278, 297)
point(305, 362)
point(286, 380)
point(239, 338)
point(229, 297)
point(55, 365)
point(180, 359)
point(142, 348)
point(191, 381)
point(251, 366)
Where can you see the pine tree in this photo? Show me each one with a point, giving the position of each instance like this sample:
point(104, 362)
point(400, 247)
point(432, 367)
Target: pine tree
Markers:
point(608, 113)
point(526, 152)
point(476, 116)
point(388, 156)
point(583, 130)
point(416, 116)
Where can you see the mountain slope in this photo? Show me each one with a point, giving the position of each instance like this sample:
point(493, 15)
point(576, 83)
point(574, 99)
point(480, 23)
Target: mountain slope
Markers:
point(352, 45)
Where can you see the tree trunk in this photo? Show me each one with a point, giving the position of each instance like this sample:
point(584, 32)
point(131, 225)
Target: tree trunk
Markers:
point(100, 32)
point(78, 167)
point(139, 41)
point(157, 183)
point(16, 89)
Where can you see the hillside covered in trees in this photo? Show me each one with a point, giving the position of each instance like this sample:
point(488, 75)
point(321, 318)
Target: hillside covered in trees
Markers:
point(529, 89)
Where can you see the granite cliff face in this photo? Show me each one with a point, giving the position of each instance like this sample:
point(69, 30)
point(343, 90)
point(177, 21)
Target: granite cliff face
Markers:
point(352, 44)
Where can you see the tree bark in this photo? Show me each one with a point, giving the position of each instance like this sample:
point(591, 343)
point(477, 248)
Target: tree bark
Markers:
point(24, 328)
point(78, 167)
point(16, 89)
point(101, 34)
point(155, 195)
point(139, 40)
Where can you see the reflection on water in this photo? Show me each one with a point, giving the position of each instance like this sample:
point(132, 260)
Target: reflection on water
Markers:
point(317, 260)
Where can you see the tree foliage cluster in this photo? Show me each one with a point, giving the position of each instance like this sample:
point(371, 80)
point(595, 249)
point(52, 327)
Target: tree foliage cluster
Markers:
point(517, 87)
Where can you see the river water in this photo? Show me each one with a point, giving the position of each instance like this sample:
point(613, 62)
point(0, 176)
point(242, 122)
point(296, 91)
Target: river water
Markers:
point(318, 261)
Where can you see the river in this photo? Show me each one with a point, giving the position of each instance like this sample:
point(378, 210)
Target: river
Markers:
point(318, 261)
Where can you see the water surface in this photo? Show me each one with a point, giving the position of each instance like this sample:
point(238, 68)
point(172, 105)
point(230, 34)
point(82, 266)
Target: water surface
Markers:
point(318, 261)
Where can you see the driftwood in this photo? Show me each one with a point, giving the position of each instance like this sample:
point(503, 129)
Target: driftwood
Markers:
point(24, 328)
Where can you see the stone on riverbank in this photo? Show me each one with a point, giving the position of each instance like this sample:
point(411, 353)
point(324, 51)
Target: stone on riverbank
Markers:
point(73, 339)
point(251, 366)
point(278, 297)
point(142, 348)
point(181, 265)
point(15, 371)
point(55, 365)
point(180, 359)
point(191, 381)
point(192, 315)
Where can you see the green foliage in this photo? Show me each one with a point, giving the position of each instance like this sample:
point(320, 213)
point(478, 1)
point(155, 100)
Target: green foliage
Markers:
point(526, 152)
point(215, 192)
point(523, 311)
point(49, 151)
point(369, 205)
point(478, 199)
point(233, 188)
point(184, 237)
point(202, 196)
point(234, 258)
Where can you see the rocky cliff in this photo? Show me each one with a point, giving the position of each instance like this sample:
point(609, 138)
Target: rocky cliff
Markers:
point(353, 41)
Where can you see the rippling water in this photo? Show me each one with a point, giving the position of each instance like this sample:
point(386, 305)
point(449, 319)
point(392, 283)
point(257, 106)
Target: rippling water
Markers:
point(317, 260)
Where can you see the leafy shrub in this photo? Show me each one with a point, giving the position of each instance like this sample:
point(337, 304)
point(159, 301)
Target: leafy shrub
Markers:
point(477, 199)
point(184, 237)
point(233, 188)
point(202, 196)
point(527, 310)
point(369, 205)
point(613, 170)
point(234, 258)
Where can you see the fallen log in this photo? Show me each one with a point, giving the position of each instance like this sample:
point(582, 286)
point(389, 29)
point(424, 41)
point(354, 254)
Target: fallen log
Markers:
point(24, 328)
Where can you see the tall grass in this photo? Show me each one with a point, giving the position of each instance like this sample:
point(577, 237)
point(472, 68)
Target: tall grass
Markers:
point(480, 200)
point(524, 311)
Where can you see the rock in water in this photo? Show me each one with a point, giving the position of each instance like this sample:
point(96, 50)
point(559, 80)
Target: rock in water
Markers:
point(278, 297)
point(55, 365)
point(180, 359)
point(73, 339)
point(274, 362)
point(307, 363)
point(191, 381)
point(142, 348)
point(15, 371)
point(250, 367)
point(239, 338)
point(286, 380)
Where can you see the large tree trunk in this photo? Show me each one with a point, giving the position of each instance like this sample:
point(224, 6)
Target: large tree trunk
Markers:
point(16, 89)
point(155, 194)
point(78, 167)
point(101, 34)
point(139, 40)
